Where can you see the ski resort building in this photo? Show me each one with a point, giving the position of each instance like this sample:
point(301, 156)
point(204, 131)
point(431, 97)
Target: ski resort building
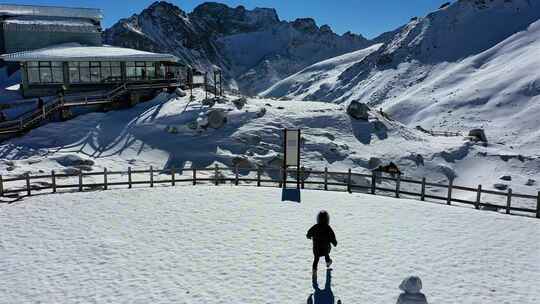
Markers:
point(59, 48)
point(74, 67)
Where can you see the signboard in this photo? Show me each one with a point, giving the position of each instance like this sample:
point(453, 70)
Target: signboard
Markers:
point(292, 148)
point(198, 79)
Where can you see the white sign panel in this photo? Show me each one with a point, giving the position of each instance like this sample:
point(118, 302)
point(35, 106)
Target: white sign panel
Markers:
point(291, 147)
point(198, 79)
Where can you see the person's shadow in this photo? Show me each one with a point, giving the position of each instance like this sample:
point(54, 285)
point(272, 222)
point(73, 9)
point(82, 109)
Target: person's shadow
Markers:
point(322, 296)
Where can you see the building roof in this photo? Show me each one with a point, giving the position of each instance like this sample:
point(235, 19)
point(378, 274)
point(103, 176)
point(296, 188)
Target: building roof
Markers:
point(50, 11)
point(77, 52)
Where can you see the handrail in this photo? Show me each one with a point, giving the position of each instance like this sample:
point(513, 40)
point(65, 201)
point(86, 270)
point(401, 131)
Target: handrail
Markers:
point(29, 118)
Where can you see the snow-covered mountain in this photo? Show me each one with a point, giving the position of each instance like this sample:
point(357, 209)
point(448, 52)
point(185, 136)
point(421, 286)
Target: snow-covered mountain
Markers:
point(464, 66)
point(253, 47)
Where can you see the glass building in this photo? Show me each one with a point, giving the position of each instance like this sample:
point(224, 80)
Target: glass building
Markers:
point(76, 68)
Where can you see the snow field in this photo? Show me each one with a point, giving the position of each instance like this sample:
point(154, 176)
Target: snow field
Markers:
point(243, 245)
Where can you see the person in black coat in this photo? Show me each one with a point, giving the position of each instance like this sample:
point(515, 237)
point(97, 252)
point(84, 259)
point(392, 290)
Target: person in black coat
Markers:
point(322, 236)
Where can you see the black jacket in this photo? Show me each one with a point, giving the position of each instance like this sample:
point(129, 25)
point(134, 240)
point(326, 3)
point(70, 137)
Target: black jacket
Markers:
point(322, 236)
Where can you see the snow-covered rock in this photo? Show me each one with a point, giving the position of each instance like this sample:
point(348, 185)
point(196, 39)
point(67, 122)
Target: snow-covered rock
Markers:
point(358, 110)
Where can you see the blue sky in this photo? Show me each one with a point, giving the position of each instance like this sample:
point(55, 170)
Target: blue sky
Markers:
point(367, 17)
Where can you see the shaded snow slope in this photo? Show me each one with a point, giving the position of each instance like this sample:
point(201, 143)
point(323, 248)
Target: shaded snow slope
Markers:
point(322, 75)
point(243, 245)
point(456, 69)
point(164, 133)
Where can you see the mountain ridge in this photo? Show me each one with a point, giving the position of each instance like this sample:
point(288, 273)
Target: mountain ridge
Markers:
point(214, 34)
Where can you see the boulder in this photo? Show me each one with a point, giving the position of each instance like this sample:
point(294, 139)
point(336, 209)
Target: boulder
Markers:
point(193, 125)
point(240, 103)
point(506, 178)
point(179, 92)
point(221, 100)
point(73, 160)
point(276, 162)
point(490, 208)
point(241, 162)
point(217, 118)
point(261, 112)
point(530, 182)
point(358, 110)
point(374, 162)
point(71, 171)
point(210, 102)
point(501, 187)
point(478, 135)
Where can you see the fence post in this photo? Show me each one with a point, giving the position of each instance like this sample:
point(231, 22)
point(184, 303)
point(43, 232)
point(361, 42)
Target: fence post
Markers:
point(398, 185)
point(53, 180)
point(423, 191)
point(538, 205)
point(216, 170)
point(151, 176)
point(349, 175)
point(450, 185)
point(373, 182)
point(509, 201)
point(28, 191)
point(173, 179)
point(478, 196)
point(258, 176)
point(194, 176)
point(80, 181)
point(236, 177)
point(302, 176)
point(1, 186)
point(105, 180)
point(280, 178)
point(326, 178)
point(130, 185)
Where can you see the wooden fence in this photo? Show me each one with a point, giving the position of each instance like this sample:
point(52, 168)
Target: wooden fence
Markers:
point(373, 183)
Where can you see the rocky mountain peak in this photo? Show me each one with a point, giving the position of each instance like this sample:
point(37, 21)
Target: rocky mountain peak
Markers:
point(227, 20)
point(242, 42)
point(305, 25)
point(163, 9)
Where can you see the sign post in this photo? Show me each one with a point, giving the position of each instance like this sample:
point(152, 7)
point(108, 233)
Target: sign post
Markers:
point(291, 152)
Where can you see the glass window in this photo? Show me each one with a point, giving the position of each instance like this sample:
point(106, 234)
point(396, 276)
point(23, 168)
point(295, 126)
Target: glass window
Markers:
point(84, 69)
point(105, 71)
point(130, 70)
point(161, 71)
point(58, 75)
point(74, 72)
point(116, 72)
point(45, 75)
point(151, 72)
point(33, 64)
point(33, 75)
point(95, 75)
